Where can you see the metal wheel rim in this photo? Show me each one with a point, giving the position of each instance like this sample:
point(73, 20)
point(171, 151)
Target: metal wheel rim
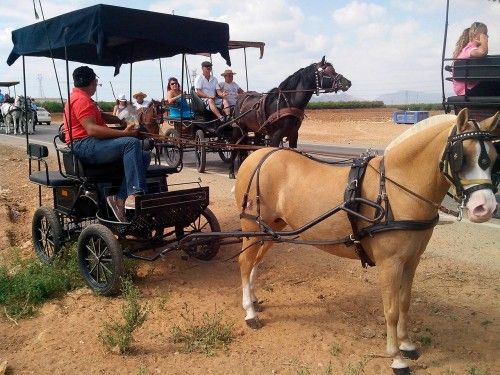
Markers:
point(98, 260)
point(172, 152)
point(46, 238)
point(198, 148)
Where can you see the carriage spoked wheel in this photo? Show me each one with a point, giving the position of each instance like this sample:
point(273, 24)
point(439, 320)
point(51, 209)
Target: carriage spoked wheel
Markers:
point(46, 230)
point(100, 259)
point(200, 151)
point(206, 223)
point(225, 154)
point(173, 150)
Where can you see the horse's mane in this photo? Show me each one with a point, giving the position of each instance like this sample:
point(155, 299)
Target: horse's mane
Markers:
point(419, 127)
point(290, 83)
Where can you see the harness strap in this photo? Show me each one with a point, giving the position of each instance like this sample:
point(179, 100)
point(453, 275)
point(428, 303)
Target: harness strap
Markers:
point(352, 191)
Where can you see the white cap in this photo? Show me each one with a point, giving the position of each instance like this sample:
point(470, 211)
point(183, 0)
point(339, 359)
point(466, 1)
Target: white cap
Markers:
point(122, 98)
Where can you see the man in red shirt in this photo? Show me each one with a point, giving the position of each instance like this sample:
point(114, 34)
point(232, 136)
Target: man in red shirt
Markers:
point(95, 143)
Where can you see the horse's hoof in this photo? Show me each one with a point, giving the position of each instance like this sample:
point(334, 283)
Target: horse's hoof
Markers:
point(410, 354)
point(258, 307)
point(254, 323)
point(401, 371)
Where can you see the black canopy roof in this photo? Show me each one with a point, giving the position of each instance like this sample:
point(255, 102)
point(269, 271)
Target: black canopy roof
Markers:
point(111, 36)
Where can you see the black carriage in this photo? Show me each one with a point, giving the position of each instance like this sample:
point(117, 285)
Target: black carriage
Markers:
point(164, 216)
point(199, 130)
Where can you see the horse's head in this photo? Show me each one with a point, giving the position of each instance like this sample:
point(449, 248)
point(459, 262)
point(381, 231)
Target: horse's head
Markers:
point(468, 163)
point(328, 79)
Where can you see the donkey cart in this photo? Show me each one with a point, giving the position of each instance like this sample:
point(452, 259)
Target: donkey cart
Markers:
point(162, 218)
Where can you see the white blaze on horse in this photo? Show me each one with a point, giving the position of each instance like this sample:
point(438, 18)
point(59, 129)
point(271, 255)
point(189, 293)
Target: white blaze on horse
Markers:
point(273, 190)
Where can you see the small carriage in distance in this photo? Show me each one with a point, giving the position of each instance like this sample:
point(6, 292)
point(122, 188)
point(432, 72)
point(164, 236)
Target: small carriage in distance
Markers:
point(198, 129)
point(163, 217)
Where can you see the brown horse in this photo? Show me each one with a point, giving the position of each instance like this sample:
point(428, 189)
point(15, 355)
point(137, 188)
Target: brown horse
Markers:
point(415, 183)
point(279, 113)
point(148, 117)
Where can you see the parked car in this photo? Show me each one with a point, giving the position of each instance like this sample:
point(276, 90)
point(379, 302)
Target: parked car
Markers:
point(42, 116)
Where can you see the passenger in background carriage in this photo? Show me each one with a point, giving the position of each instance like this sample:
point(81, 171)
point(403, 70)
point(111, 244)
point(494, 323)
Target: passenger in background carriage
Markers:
point(207, 88)
point(95, 143)
point(231, 88)
point(2, 97)
point(474, 43)
point(175, 97)
point(121, 106)
point(140, 103)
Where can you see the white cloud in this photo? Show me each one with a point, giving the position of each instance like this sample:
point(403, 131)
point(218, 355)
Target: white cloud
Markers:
point(357, 13)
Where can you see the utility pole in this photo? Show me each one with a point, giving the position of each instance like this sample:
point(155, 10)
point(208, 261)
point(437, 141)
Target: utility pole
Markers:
point(40, 85)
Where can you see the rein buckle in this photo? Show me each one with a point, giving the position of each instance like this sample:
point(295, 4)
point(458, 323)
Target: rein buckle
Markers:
point(461, 209)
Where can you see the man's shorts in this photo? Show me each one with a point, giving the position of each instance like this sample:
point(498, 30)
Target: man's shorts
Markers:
point(218, 103)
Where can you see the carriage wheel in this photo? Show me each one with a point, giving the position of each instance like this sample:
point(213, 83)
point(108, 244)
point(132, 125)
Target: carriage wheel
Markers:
point(173, 150)
point(206, 223)
point(200, 151)
point(46, 230)
point(225, 154)
point(100, 259)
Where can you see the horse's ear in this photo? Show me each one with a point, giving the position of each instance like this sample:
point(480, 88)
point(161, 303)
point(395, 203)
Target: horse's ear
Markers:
point(462, 120)
point(322, 61)
point(492, 124)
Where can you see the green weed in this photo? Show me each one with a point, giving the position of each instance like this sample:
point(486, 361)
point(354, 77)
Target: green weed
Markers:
point(424, 340)
point(120, 335)
point(27, 283)
point(205, 336)
point(477, 371)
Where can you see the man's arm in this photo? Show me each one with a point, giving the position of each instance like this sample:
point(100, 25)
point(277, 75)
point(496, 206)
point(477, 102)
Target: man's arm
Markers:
point(112, 119)
point(103, 132)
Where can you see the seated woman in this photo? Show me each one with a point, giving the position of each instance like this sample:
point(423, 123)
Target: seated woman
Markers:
point(125, 111)
point(175, 98)
point(474, 43)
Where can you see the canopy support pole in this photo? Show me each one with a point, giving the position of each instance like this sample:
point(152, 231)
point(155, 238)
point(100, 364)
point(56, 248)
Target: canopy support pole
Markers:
point(444, 51)
point(246, 69)
point(182, 81)
point(130, 85)
point(25, 107)
point(161, 78)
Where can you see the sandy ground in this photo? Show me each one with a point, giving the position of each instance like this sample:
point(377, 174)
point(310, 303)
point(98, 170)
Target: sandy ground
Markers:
point(323, 314)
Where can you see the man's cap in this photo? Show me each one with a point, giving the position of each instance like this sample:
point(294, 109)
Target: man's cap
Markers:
point(140, 93)
point(206, 64)
point(227, 72)
point(83, 76)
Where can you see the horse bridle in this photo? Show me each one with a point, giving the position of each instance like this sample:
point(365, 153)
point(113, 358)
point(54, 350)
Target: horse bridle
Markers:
point(319, 74)
point(453, 160)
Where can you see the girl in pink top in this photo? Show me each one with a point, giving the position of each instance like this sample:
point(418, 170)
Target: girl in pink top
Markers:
point(473, 43)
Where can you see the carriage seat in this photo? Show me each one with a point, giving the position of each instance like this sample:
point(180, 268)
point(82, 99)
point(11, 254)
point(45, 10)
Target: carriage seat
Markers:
point(474, 99)
point(109, 172)
point(44, 177)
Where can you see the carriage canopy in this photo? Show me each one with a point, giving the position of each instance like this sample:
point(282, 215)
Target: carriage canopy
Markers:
point(111, 36)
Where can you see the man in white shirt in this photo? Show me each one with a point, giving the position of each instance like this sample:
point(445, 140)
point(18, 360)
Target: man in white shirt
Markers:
point(207, 89)
point(140, 102)
point(231, 88)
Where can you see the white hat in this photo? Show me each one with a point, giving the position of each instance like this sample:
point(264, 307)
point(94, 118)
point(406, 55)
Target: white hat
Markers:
point(122, 98)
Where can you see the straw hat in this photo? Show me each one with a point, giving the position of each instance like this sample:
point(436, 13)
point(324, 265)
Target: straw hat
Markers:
point(140, 93)
point(227, 72)
point(122, 98)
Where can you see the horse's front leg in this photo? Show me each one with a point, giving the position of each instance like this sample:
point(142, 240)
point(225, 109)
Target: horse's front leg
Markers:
point(390, 273)
point(255, 301)
point(407, 348)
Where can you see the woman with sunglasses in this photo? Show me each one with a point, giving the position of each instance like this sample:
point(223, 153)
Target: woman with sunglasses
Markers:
point(175, 97)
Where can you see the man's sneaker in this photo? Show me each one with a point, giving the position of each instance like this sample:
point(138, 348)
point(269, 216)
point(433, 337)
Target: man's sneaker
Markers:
point(130, 202)
point(116, 205)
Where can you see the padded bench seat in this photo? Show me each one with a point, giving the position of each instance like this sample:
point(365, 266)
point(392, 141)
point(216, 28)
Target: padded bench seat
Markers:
point(55, 179)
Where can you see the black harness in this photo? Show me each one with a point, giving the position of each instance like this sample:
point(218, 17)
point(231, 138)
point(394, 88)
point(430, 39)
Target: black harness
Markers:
point(452, 161)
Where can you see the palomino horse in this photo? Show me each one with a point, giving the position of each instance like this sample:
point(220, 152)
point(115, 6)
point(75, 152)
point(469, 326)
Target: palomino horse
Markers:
point(280, 187)
point(279, 113)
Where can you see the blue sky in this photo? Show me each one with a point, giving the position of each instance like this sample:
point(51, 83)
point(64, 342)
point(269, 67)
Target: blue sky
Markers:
point(382, 46)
